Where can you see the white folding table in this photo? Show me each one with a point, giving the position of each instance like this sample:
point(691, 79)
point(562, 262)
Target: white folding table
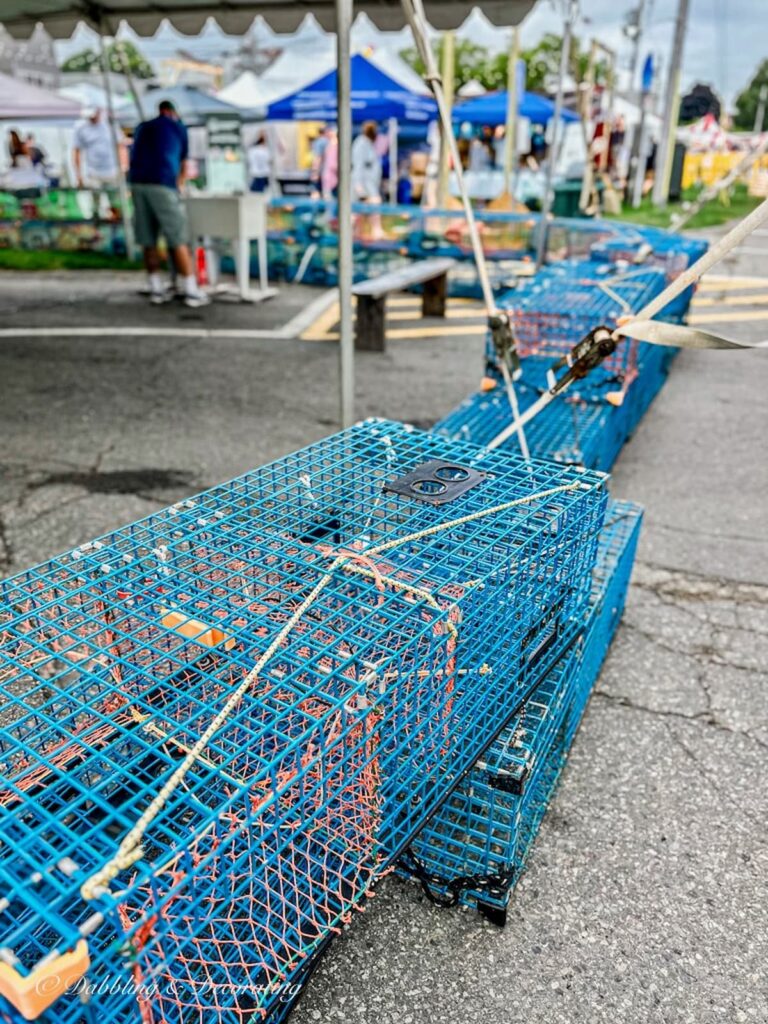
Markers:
point(238, 219)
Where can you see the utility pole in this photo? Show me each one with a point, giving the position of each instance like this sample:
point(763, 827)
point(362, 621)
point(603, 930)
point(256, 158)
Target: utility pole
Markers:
point(671, 104)
point(637, 27)
point(760, 112)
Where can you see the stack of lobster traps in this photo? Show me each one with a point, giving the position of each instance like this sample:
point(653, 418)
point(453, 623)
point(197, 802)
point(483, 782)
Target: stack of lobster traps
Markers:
point(474, 849)
point(221, 724)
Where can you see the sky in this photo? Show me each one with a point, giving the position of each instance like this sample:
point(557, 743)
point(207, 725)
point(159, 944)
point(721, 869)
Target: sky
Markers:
point(725, 42)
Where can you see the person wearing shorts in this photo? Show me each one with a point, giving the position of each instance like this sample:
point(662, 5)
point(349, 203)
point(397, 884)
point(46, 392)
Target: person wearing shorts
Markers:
point(158, 161)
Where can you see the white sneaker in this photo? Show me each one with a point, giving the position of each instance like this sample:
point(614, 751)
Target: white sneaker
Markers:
point(159, 298)
point(196, 301)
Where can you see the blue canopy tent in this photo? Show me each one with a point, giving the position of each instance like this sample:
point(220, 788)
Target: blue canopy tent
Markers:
point(375, 97)
point(492, 109)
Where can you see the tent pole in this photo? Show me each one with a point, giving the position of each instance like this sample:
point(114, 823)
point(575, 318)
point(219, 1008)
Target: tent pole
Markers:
point(393, 160)
point(510, 130)
point(546, 206)
point(448, 72)
point(346, 337)
point(130, 245)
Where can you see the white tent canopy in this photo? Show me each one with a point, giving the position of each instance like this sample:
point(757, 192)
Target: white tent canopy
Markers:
point(24, 101)
point(60, 17)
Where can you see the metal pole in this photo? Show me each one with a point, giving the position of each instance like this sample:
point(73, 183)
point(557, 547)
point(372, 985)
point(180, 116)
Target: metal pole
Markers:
point(346, 335)
point(130, 244)
point(546, 206)
point(664, 154)
point(639, 14)
point(760, 112)
point(513, 100)
point(640, 156)
point(392, 133)
point(585, 104)
point(447, 73)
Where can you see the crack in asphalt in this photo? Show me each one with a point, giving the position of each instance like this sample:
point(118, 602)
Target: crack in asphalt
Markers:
point(702, 718)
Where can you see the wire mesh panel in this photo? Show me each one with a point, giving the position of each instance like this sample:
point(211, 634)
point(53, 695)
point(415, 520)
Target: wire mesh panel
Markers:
point(475, 846)
point(565, 302)
point(222, 722)
point(653, 247)
point(568, 432)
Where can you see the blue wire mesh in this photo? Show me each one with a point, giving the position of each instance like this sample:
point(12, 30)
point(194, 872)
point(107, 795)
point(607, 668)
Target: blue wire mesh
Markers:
point(474, 848)
point(671, 253)
point(569, 431)
point(564, 302)
point(384, 688)
point(302, 233)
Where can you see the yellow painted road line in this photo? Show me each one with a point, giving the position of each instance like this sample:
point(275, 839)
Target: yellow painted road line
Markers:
point(415, 300)
point(324, 322)
point(724, 316)
point(717, 284)
point(451, 314)
point(732, 300)
point(408, 333)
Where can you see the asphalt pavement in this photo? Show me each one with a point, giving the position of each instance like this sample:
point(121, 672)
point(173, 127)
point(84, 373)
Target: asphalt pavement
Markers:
point(646, 891)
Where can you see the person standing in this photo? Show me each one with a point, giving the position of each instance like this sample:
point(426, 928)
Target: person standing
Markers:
point(94, 157)
point(157, 172)
point(366, 166)
point(259, 164)
point(366, 180)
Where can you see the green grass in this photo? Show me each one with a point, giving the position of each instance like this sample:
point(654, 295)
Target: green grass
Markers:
point(44, 259)
point(710, 215)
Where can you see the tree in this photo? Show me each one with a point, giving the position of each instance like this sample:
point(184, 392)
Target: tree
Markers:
point(748, 99)
point(471, 61)
point(89, 60)
point(542, 63)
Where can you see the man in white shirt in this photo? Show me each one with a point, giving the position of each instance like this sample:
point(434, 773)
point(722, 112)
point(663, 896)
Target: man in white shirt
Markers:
point(259, 164)
point(94, 152)
point(93, 155)
point(366, 166)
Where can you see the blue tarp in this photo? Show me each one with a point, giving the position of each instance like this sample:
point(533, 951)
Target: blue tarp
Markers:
point(492, 109)
point(375, 97)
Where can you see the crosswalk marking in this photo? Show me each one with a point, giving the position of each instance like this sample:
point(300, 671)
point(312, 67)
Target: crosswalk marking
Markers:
point(732, 300)
point(724, 315)
point(466, 316)
point(717, 283)
point(406, 307)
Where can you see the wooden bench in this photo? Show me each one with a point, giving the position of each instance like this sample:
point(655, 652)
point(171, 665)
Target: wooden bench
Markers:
point(372, 296)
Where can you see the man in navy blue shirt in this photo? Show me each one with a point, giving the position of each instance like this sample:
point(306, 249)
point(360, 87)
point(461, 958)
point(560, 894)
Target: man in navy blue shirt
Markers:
point(158, 163)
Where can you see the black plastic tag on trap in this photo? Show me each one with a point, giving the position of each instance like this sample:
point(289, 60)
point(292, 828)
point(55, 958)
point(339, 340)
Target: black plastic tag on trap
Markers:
point(436, 482)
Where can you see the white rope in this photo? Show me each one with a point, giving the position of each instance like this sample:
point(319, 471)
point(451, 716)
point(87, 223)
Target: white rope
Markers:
point(414, 13)
point(130, 850)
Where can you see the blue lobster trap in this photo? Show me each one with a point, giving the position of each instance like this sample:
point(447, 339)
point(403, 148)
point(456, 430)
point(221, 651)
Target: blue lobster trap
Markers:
point(653, 247)
point(223, 721)
point(475, 847)
point(572, 432)
point(565, 302)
